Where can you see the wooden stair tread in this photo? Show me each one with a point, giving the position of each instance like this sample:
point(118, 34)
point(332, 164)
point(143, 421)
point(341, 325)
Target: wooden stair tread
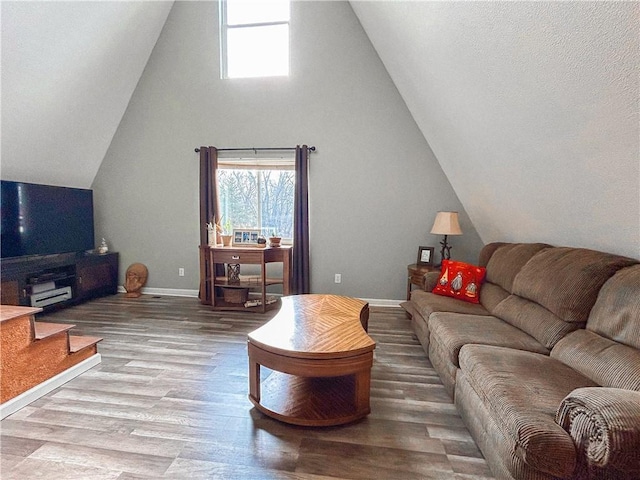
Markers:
point(46, 329)
point(8, 312)
point(35, 352)
point(78, 342)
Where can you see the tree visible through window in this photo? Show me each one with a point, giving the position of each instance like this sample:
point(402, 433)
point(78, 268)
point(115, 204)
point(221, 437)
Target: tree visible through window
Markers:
point(254, 38)
point(259, 197)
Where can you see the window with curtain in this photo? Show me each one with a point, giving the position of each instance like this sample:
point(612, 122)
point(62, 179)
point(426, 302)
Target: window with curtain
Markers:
point(254, 38)
point(257, 193)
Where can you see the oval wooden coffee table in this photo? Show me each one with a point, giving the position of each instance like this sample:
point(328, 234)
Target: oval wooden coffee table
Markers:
point(319, 356)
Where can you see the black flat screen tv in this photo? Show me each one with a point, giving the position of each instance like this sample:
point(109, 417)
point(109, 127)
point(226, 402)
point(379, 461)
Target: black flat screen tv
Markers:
point(44, 219)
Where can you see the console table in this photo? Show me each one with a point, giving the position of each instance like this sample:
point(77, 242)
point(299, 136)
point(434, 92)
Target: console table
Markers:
point(251, 256)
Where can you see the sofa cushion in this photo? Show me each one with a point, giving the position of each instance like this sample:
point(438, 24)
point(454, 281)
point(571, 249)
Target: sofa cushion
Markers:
point(460, 280)
point(522, 390)
point(426, 303)
point(451, 331)
point(447, 371)
point(496, 448)
point(608, 363)
point(534, 319)
point(491, 295)
point(565, 280)
point(508, 260)
point(487, 252)
point(616, 314)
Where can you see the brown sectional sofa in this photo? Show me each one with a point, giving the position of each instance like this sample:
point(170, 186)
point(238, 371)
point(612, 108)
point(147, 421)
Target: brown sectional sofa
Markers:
point(545, 371)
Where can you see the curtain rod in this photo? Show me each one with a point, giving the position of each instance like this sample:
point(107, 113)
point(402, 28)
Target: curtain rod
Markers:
point(255, 149)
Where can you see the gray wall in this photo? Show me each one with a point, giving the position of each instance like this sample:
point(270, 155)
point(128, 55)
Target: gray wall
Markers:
point(375, 184)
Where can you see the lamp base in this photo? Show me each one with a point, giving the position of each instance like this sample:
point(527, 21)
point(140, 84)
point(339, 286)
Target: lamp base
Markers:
point(445, 251)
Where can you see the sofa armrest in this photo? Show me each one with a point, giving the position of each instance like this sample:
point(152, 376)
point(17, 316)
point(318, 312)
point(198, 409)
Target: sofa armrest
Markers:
point(430, 280)
point(605, 425)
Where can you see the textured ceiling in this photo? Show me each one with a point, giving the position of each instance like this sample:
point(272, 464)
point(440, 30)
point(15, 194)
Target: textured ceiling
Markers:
point(531, 109)
point(68, 72)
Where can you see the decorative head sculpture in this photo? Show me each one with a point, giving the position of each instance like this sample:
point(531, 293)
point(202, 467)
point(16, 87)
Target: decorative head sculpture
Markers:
point(136, 278)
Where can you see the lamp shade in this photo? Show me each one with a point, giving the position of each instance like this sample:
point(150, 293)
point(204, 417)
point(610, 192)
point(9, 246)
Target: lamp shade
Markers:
point(446, 223)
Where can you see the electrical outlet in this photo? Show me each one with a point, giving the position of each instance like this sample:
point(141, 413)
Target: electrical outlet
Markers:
point(181, 272)
point(337, 278)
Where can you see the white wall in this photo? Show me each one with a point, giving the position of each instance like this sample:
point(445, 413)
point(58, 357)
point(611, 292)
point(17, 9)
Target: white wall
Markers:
point(531, 109)
point(375, 184)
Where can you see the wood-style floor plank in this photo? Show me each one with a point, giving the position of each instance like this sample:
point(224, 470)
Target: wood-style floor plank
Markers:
point(169, 400)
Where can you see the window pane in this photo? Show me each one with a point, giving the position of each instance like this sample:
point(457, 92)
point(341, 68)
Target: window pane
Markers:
point(238, 193)
point(258, 51)
point(258, 199)
point(277, 202)
point(243, 12)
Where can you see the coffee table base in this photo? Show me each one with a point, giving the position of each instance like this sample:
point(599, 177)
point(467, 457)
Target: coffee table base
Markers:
point(319, 359)
point(311, 401)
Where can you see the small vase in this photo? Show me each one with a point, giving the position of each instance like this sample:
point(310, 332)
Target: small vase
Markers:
point(275, 241)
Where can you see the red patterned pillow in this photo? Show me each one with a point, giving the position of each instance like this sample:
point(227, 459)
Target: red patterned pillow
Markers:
point(460, 280)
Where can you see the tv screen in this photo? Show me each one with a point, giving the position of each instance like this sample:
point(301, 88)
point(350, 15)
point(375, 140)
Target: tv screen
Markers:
point(44, 219)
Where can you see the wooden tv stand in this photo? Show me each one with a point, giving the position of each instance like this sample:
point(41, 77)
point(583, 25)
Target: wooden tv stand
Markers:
point(87, 275)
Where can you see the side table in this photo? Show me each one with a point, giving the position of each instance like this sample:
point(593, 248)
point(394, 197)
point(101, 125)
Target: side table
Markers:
point(415, 274)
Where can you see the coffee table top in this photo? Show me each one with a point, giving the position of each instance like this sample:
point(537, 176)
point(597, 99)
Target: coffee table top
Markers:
point(316, 326)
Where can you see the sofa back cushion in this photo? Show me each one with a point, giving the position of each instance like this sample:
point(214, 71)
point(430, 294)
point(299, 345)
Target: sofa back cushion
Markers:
point(503, 261)
point(507, 260)
point(491, 295)
point(537, 321)
point(487, 251)
point(616, 313)
point(608, 350)
point(566, 281)
point(608, 363)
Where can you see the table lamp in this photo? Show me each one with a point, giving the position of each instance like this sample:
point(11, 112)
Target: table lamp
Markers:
point(446, 223)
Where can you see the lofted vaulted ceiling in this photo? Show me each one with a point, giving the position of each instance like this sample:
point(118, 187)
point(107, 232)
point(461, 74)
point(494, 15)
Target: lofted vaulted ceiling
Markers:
point(68, 72)
point(530, 107)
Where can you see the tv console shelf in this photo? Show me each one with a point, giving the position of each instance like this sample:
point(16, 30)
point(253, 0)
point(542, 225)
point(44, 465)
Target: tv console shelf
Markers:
point(57, 280)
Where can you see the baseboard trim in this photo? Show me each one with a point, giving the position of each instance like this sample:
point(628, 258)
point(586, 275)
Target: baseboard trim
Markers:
point(170, 292)
point(381, 302)
point(177, 292)
point(33, 394)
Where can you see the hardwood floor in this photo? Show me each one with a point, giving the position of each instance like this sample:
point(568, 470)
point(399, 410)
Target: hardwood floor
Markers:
point(169, 400)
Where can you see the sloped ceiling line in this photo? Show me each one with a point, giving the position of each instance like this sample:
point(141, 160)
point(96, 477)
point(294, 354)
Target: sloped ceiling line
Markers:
point(527, 107)
point(69, 70)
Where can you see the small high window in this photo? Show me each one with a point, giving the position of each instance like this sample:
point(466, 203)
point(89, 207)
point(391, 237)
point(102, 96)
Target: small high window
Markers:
point(254, 38)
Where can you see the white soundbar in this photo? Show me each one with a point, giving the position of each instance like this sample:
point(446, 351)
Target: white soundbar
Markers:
point(50, 297)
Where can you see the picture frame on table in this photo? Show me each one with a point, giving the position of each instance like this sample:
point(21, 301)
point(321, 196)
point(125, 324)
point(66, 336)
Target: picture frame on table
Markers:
point(245, 237)
point(425, 256)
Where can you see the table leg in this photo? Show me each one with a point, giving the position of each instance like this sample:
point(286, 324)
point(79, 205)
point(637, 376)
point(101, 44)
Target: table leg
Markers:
point(254, 380)
point(286, 272)
point(362, 391)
